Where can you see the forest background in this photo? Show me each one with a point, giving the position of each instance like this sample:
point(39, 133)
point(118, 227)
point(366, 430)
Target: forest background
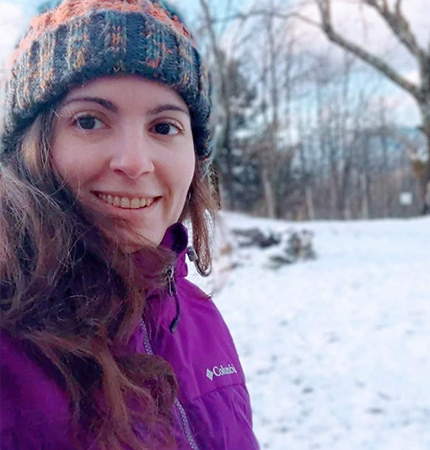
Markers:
point(304, 128)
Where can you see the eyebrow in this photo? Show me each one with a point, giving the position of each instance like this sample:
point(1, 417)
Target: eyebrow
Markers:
point(168, 107)
point(101, 101)
point(112, 107)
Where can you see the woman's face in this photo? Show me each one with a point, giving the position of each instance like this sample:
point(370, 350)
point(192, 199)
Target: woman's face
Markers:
point(124, 145)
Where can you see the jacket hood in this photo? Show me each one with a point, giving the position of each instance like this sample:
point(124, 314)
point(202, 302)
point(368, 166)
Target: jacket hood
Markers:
point(176, 239)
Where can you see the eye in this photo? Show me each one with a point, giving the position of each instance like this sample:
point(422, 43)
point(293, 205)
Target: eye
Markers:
point(88, 122)
point(166, 128)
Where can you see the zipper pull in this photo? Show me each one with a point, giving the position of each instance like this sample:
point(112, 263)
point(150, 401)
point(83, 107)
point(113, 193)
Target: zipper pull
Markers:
point(170, 276)
point(171, 288)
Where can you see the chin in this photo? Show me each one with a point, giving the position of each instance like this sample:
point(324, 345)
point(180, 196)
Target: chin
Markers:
point(132, 243)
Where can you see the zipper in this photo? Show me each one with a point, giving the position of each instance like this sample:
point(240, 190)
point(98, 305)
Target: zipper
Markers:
point(184, 419)
point(186, 425)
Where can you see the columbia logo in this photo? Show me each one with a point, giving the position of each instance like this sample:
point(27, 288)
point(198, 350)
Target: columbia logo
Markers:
point(219, 371)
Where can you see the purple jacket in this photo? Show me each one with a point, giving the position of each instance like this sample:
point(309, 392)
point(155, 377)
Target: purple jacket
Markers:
point(212, 411)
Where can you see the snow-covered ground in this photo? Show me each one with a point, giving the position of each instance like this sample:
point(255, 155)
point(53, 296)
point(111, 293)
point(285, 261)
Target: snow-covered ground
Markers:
point(336, 350)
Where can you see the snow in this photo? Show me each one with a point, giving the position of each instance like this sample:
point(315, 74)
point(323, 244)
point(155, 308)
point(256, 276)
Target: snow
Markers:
point(336, 350)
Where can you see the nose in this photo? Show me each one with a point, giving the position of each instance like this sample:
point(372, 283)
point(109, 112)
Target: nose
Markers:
point(132, 156)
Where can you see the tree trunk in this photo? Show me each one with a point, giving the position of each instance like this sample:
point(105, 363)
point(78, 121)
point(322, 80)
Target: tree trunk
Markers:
point(227, 148)
point(364, 196)
point(309, 203)
point(274, 97)
point(268, 192)
point(425, 111)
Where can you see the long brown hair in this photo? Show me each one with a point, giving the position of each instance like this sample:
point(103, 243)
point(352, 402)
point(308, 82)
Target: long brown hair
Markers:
point(75, 298)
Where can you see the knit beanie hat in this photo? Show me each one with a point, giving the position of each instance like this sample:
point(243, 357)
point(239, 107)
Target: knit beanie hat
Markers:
point(80, 40)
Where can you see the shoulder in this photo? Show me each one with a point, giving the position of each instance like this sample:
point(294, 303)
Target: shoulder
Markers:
point(22, 366)
point(202, 335)
point(200, 305)
point(202, 320)
point(201, 345)
point(29, 396)
point(202, 353)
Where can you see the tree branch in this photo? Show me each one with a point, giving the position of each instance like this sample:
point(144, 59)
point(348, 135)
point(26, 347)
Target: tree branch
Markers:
point(375, 61)
point(398, 24)
point(258, 12)
point(398, 6)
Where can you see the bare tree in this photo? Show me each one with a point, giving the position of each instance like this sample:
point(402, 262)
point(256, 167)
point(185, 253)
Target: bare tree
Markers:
point(268, 157)
point(312, 143)
point(223, 90)
point(396, 21)
point(267, 70)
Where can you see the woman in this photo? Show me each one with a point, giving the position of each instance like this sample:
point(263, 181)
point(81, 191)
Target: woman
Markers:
point(105, 147)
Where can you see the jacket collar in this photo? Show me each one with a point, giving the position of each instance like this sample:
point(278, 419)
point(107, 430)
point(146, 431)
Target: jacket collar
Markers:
point(176, 239)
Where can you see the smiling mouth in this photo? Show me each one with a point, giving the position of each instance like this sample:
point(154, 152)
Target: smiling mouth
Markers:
point(126, 202)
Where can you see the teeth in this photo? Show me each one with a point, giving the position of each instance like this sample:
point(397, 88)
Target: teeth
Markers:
point(134, 204)
point(125, 202)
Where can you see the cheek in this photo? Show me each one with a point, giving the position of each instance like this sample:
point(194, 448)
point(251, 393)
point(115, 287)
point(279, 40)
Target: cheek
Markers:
point(67, 168)
point(60, 158)
point(180, 176)
point(185, 175)
point(72, 162)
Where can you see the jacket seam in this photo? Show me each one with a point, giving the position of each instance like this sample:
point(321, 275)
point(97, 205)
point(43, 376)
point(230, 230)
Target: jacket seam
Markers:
point(217, 390)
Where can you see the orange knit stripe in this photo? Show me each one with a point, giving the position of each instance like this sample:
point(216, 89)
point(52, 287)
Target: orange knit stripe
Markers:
point(70, 9)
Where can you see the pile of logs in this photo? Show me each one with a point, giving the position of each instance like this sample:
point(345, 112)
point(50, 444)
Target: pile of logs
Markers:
point(293, 245)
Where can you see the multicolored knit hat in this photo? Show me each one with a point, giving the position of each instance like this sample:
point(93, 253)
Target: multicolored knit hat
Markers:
point(84, 39)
